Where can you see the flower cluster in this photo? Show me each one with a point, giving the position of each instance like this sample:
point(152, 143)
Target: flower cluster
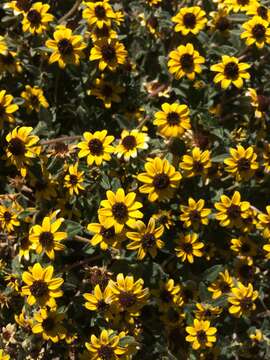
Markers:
point(134, 183)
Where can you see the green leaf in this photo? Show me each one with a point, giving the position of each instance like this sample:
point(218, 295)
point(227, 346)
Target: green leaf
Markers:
point(73, 228)
point(212, 273)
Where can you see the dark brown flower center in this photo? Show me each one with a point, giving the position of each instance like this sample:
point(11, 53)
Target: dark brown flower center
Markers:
point(246, 304)
point(173, 118)
point(166, 296)
point(243, 2)
point(34, 17)
point(223, 24)
point(245, 248)
point(187, 248)
point(258, 32)
point(108, 233)
point(201, 336)
point(262, 11)
point(187, 62)
point(96, 147)
point(73, 179)
point(231, 70)
point(161, 181)
point(127, 299)
point(129, 142)
point(197, 166)
point(120, 211)
point(100, 12)
point(108, 53)
point(65, 47)
point(234, 211)
point(107, 90)
point(148, 241)
point(106, 352)
point(224, 286)
point(39, 289)
point(244, 164)
point(7, 216)
point(189, 20)
point(48, 324)
point(195, 216)
point(46, 239)
point(23, 5)
point(17, 147)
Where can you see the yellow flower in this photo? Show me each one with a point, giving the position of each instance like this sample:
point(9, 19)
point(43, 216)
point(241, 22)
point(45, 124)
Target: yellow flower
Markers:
point(73, 180)
point(164, 217)
point(222, 285)
point(160, 179)
point(46, 238)
point(22, 148)
point(173, 120)
point(232, 211)
point(146, 239)
point(230, 71)
point(194, 214)
point(119, 210)
point(256, 32)
point(104, 32)
point(66, 47)
point(188, 247)
point(239, 5)
point(103, 237)
point(197, 163)
point(12, 282)
point(185, 61)
point(49, 325)
point(257, 9)
point(260, 102)
point(201, 334)
point(106, 91)
point(40, 286)
point(98, 13)
point(243, 246)
point(8, 218)
point(127, 294)
point(7, 108)
point(23, 321)
point(168, 294)
point(130, 143)
point(219, 21)
point(109, 52)
point(3, 355)
point(242, 299)
point(242, 163)
point(98, 300)
point(36, 19)
point(34, 98)
point(190, 20)
point(206, 311)
point(264, 222)
point(153, 2)
point(3, 46)
point(10, 62)
point(96, 147)
point(256, 337)
point(25, 247)
point(18, 6)
point(106, 346)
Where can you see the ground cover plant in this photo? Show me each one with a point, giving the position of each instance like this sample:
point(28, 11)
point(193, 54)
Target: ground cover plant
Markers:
point(134, 179)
